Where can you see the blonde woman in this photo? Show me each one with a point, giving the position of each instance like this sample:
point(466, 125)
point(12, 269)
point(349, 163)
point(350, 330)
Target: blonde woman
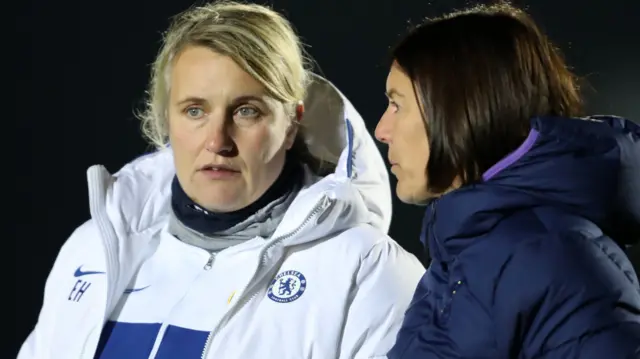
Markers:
point(256, 230)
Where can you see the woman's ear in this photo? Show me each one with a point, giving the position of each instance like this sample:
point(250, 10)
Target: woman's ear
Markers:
point(299, 111)
point(293, 127)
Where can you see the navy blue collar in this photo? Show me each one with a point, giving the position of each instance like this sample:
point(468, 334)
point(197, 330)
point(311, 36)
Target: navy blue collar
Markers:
point(583, 167)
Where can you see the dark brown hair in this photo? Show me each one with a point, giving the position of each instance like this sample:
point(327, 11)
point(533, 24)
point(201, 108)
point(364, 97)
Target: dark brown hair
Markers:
point(479, 76)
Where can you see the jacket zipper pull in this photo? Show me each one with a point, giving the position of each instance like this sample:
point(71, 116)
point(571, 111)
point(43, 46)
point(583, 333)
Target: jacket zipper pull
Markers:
point(209, 262)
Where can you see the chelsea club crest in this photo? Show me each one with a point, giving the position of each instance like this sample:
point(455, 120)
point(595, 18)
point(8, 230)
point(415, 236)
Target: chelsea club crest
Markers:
point(287, 286)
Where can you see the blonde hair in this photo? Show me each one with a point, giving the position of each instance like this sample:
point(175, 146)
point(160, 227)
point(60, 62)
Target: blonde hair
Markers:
point(261, 41)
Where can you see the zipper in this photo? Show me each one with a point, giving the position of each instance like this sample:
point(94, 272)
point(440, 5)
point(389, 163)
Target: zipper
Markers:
point(322, 205)
point(429, 232)
point(163, 328)
point(442, 303)
point(427, 226)
point(209, 263)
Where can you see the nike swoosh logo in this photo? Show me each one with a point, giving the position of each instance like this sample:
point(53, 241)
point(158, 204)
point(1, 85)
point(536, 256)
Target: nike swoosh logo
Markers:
point(79, 272)
point(132, 290)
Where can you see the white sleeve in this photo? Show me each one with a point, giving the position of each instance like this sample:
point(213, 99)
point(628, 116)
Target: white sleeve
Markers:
point(38, 343)
point(385, 284)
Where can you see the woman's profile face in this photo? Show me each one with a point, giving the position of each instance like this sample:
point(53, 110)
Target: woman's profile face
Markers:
point(229, 137)
point(402, 129)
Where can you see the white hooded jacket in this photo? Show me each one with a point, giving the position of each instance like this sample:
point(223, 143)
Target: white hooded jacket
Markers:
point(328, 284)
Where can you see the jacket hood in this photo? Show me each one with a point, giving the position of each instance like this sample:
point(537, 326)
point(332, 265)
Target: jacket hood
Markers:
point(137, 197)
point(589, 167)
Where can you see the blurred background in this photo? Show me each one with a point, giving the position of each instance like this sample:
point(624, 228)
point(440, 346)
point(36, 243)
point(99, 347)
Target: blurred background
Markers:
point(83, 68)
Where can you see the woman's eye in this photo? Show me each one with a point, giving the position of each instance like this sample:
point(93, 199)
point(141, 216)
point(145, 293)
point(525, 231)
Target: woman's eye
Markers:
point(393, 106)
point(195, 112)
point(247, 112)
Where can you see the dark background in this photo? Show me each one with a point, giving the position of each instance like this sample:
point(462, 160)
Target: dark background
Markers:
point(87, 63)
